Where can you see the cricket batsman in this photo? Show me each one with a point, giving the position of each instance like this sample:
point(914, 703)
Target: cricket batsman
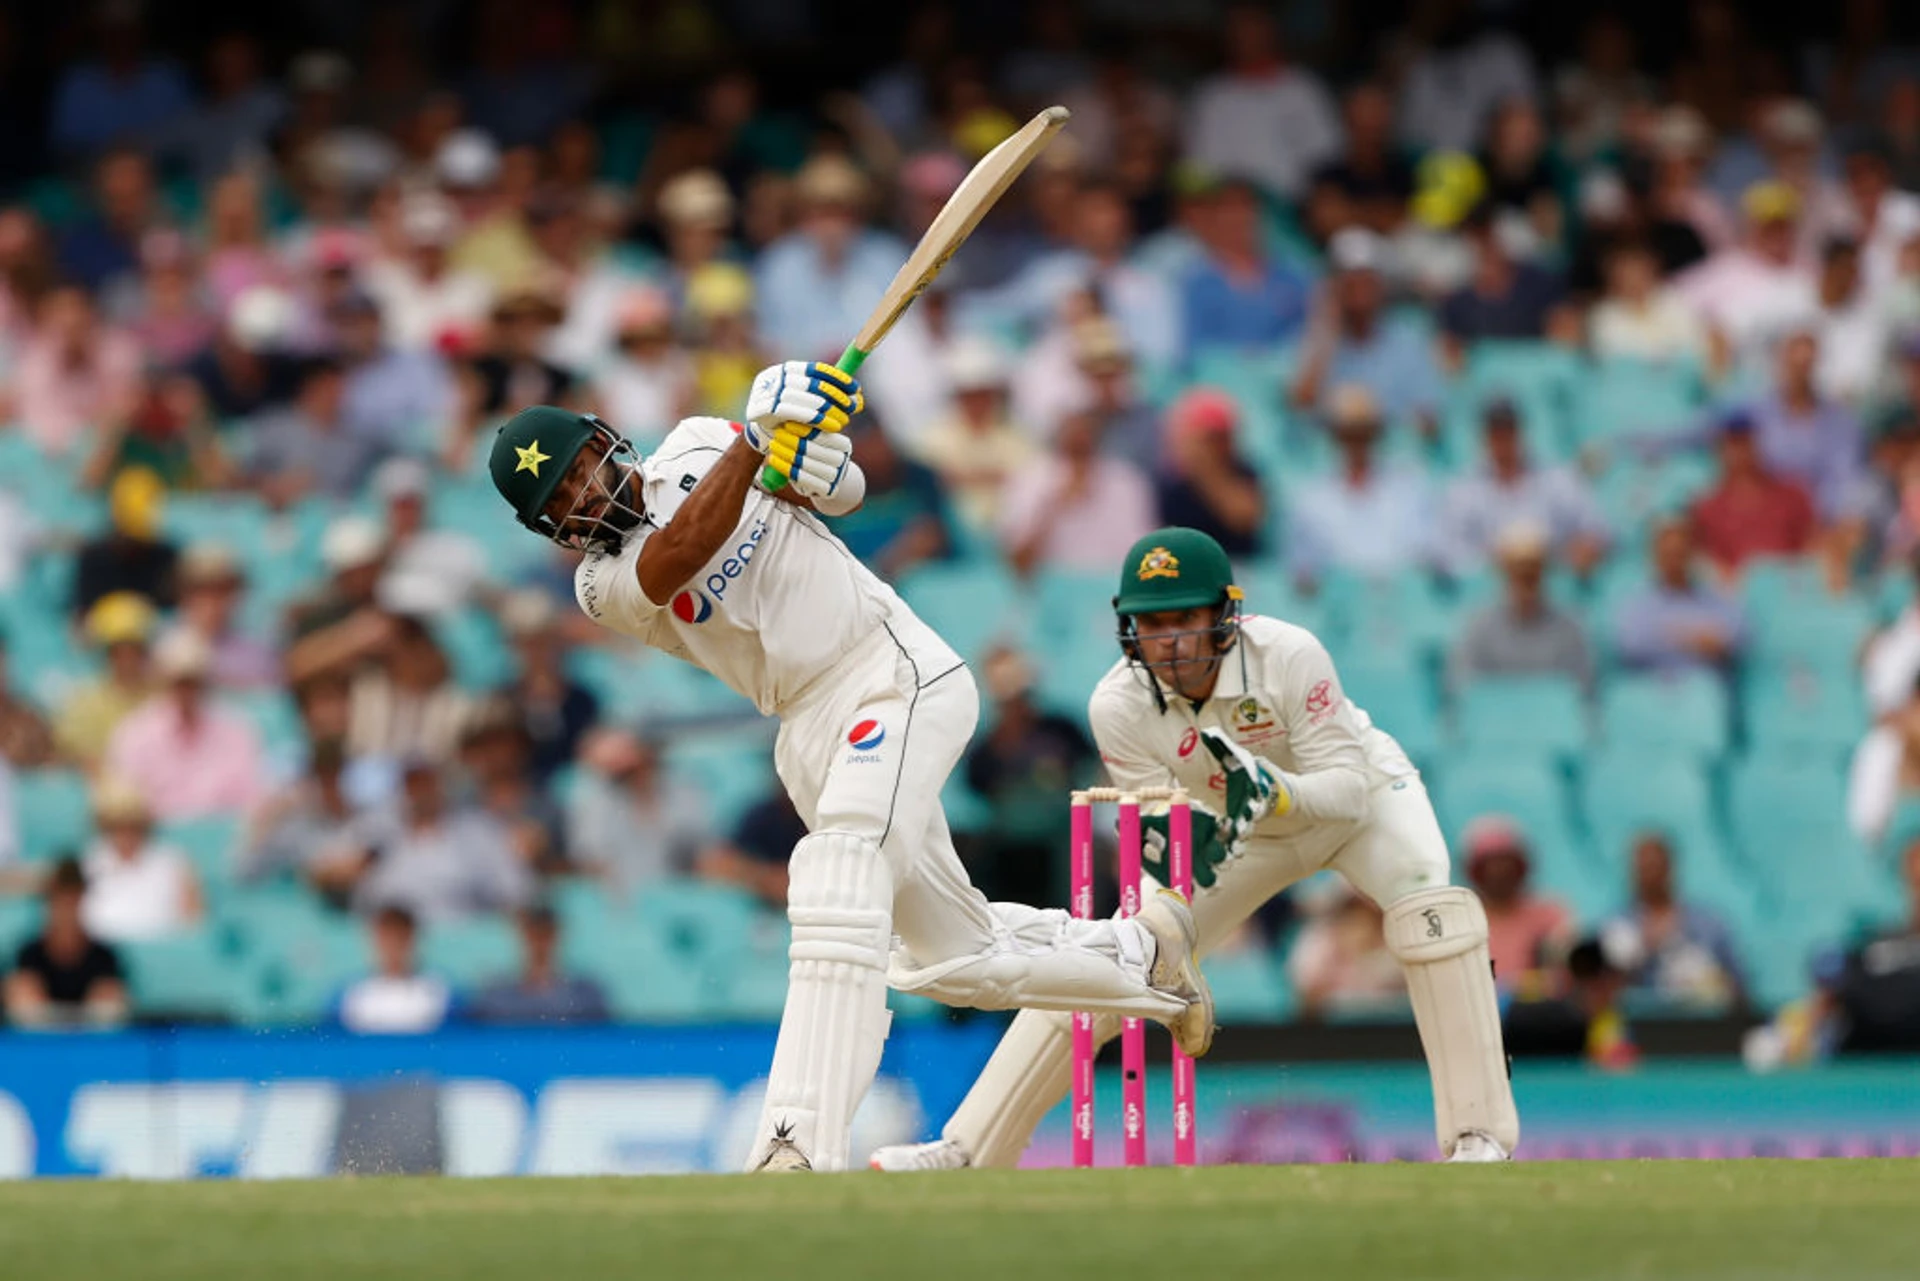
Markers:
point(688, 551)
point(1247, 714)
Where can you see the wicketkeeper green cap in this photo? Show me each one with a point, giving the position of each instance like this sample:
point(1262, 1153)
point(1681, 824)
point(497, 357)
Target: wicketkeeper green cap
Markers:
point(1174, 568)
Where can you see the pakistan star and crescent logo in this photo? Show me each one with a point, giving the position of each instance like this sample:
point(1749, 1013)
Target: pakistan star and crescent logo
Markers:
point(530, 459)
point(1159, 563)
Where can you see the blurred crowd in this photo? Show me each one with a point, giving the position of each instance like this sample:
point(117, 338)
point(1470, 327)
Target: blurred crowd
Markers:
point(1582, 352)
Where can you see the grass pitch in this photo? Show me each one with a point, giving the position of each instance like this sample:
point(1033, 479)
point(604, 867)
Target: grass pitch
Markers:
point(1671, 1221)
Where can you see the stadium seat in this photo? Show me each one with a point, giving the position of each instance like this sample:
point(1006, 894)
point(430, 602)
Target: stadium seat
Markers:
point(1522, 714)
point(1686, 712)
point(472, 952)
point(1248, 986)
point(1790, 614)
point(1634, 494)
point(1620, 397)
point(1627, 791)
point(190, 976)
point(970, 604)
point(1542, 380)
point(702, 922)
point(19, 921)
point(1815, 710)
point(1789, 825)
point(1399, 698)
point(54, 812)
point(209, 843)
point(732, 771)
point(475, 648)
point(303, 953)
point(1529, 790)
point(1395, 619)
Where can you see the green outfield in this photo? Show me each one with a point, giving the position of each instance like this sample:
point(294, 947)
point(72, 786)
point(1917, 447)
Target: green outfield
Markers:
point(1671, 1221)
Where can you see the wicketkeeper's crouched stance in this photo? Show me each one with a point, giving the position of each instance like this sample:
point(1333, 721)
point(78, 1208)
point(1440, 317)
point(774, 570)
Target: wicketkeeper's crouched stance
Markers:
point(1247, 714)
point(687, 551)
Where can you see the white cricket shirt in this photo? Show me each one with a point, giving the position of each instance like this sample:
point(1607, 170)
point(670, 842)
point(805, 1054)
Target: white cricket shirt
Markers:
point(779, 603)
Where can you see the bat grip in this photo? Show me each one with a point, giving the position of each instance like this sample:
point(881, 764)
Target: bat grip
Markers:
point(772, 479)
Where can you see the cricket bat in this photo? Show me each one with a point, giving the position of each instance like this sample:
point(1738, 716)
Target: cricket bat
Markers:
point(977, 193)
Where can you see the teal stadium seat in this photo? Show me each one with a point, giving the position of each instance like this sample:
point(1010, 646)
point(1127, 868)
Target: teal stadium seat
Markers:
point(1634, 495)
point(1788, 821)
point(1686, 712)
point(19, 921)
point(1400, 700)
point(970, 604)
point(209, 843)
point(301, 953)
point(54, 812)
point(1791, 615)
point(1392, 619)
point(475, 648)
point(1529, 790)
point(705, 923)
point(1541, 379)
point(1814, 710)
point(1543, 714)
point(732, 771)
point(191, 976)
point(472, 952)
point(1248, 986)
point(1627, 791)
point(1622, 397)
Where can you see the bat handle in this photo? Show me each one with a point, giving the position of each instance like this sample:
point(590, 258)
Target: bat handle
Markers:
point(772, 478)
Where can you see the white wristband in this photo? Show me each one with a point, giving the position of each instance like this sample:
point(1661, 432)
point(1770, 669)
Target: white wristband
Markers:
point(847, 495)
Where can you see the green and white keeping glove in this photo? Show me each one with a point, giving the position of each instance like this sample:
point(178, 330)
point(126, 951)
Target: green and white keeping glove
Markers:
point(1208, 850)
point(1255, 787)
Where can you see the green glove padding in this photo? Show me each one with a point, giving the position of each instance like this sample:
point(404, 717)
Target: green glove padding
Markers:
point(1208, 851)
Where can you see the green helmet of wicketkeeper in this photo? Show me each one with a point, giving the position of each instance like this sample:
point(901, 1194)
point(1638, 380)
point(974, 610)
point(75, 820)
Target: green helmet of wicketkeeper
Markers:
point(1182, 580)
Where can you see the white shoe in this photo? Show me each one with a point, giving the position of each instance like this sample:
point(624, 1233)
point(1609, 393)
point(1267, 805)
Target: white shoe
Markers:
point(910, 1158)
point(1476, 1148)
point(783, 1156)
point(1175, 971)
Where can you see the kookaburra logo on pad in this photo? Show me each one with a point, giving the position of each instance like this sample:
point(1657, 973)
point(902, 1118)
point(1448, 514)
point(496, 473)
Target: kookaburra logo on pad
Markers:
point(1434, 928)
point(1159, 563)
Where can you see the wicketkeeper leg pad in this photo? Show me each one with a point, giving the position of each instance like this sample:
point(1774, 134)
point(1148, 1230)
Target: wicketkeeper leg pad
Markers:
point(1440, 938)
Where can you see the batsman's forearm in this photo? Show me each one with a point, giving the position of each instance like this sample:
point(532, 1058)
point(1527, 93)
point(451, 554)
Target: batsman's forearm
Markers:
point(1330, 794)
point(675, 554)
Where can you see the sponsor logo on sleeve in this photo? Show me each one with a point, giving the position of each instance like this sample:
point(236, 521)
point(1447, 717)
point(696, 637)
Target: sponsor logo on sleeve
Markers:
point(865, 738)
point(687, 482)
point(1321, 702)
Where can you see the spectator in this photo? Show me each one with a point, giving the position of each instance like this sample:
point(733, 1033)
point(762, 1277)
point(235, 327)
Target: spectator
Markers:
point(1459, 73)
point(1678, 950)
point(1521, 182)
point(633, 824)
point(120, 624)
point(1106, 377)
point(123, 93)
point(1367, 519)
point(493, 191)
point(647, 387)
point(168, 432)
point(430, 571)
point(756, 853)
point(1874, 213)
point(1852, 328)
point(1527, 932)
point(396, 999)
point(1367, 185)
point(235, 123)
point(1886, 769)
point(306, 824)
point(1598, 95)
point(167, 314)
point(426, 303)
point(695, 213)
point(9, 827)
point(496, 756)
point(977, 449)
point(541, 994)
point(398, 400)
point(249, 369)
point(1676, 623)
point(26, 740)
point(1340, 962)
point(337, 625)
point(589, 283)
point(1891, 663)
point(307, 449)
point(1804, 437)
point(511, 373)
point(558, 709)
point(1504, 298)
point(212, 587)
point(1204, 482)
point(903, 521)
point(1748, 292)
point(1750, 512)
point(64, 975)
point(75, 374)
point(1236, 297)
point(1080, 508)
point(816, 283)
point(404, 703)
point(726, 354)
point(1261, 118)
point(238, 257)
point(1900, 125)
point(1687, 221)
point(1354, 341)
point(1524, 634)
point(437, 862)
point(1028, 757)
point(103, 249)
point(1582, 1018)
point(137, 888)
point(1639, 318)
point(191, 756)
point(1507, 488)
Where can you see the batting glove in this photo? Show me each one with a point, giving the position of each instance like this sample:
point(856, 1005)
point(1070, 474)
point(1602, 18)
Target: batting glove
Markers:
point(813, 461)
point(1208, 851)
point(800, 393)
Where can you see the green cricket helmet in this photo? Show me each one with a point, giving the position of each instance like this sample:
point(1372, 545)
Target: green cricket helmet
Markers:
point(536, 466)
point(1177, 569)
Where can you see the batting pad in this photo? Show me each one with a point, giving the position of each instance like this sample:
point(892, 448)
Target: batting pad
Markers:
point(1440, 938)
point(840, 903)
